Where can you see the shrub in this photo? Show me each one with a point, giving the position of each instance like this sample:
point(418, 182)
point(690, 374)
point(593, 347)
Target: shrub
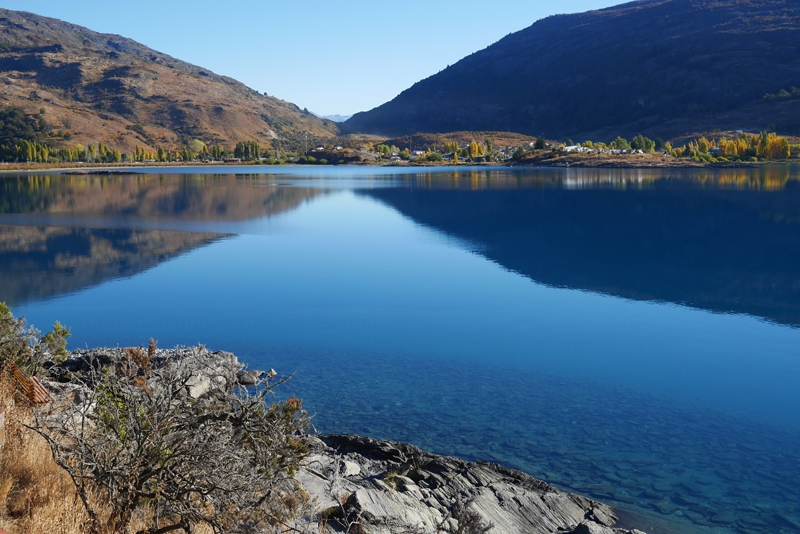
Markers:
point(22, 345)
point(151, 442)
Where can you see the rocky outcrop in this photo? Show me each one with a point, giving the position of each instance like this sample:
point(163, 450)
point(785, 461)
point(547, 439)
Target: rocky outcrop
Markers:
point(218, 369)
point(384, 487)
point(361, 485)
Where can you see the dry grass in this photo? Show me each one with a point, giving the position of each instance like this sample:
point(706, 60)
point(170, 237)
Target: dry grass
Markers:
point(36, 495)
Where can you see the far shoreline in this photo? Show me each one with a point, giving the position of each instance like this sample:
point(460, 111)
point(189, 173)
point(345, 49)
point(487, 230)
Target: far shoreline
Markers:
point(636, 161)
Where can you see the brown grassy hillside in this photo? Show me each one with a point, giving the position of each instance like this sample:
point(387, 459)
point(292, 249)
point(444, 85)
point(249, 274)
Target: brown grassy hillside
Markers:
point(105, 88)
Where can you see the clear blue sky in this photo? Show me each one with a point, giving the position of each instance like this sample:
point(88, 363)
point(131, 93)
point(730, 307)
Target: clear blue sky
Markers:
point(327, 56)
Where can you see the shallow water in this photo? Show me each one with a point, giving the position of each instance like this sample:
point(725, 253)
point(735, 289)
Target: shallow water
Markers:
point(630, 335)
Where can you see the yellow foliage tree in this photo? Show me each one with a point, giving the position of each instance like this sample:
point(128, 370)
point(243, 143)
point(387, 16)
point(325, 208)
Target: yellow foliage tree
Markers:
point(475, 150)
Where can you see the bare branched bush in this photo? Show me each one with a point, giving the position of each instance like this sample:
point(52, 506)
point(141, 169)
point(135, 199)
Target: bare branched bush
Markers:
point(467, 521)
point(139, 444)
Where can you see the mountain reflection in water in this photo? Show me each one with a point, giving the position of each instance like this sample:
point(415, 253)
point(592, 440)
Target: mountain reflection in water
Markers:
point(727, 241)
point(60, 234)
point(724, 240)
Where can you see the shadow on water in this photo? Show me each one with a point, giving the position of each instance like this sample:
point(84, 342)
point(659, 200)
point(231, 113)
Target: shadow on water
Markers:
point(706, 241)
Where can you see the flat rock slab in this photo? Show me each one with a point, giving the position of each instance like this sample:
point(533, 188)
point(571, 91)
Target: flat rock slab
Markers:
point(389, 487)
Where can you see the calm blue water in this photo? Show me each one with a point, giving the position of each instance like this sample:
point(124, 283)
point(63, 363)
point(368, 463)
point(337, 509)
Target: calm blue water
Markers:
point(629, 335)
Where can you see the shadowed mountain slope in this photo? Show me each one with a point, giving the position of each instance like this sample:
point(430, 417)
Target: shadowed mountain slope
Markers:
point(658, 67)
point(109, 89)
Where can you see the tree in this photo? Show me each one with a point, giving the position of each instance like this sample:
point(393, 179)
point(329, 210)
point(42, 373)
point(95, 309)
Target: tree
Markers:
point(620, 143)
point(539, 145)
point(489, 146)
point(178, 444)
point(196, 146)
point(642, 143)
point(474, 150)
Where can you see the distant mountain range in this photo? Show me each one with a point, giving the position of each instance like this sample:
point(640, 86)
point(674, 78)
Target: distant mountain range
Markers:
point(335, 118)
point(657, 67)
point(106, 88)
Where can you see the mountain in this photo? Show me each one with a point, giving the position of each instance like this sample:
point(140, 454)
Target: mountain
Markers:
point(659, 67)
point(335, 118)
point(104, 88)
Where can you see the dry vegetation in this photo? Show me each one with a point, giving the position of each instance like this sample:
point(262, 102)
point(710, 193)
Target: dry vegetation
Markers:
point(105, 88)
point(423, 141)
point(36, 495)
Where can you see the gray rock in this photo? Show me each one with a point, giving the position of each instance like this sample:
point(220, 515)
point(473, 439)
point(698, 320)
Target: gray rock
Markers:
point(400, 488)
point(589, 527)
point(350, 469)
point(249, 378)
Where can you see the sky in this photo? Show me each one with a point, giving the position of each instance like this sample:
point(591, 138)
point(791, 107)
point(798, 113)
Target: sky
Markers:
point(329, 57)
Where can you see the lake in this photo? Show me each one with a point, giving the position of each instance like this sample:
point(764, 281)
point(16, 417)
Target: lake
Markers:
point(631, 335)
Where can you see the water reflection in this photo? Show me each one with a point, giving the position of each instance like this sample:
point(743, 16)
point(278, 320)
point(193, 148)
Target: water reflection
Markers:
point(60, 234)
point(398, 333)
point(693, 242)
point(38, 263)
point(188, 197)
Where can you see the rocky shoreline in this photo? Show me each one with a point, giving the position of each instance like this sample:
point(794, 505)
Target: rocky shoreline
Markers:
point(387, 487)
point(358, 484)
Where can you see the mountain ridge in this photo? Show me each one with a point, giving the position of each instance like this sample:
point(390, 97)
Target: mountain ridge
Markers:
point(107, 88)
point(660, 67)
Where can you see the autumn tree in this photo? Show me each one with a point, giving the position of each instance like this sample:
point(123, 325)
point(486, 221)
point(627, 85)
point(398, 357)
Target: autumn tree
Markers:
point(475, 150)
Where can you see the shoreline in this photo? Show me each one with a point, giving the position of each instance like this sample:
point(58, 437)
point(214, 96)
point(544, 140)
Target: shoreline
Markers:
point(382, 486)
point(542, 162)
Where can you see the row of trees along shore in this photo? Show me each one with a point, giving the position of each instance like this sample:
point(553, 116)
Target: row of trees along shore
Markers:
point(432, 154)
point(28, 139)
point(743, 147)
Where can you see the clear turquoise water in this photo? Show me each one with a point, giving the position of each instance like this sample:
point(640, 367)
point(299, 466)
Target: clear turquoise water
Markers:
point(625, 334)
